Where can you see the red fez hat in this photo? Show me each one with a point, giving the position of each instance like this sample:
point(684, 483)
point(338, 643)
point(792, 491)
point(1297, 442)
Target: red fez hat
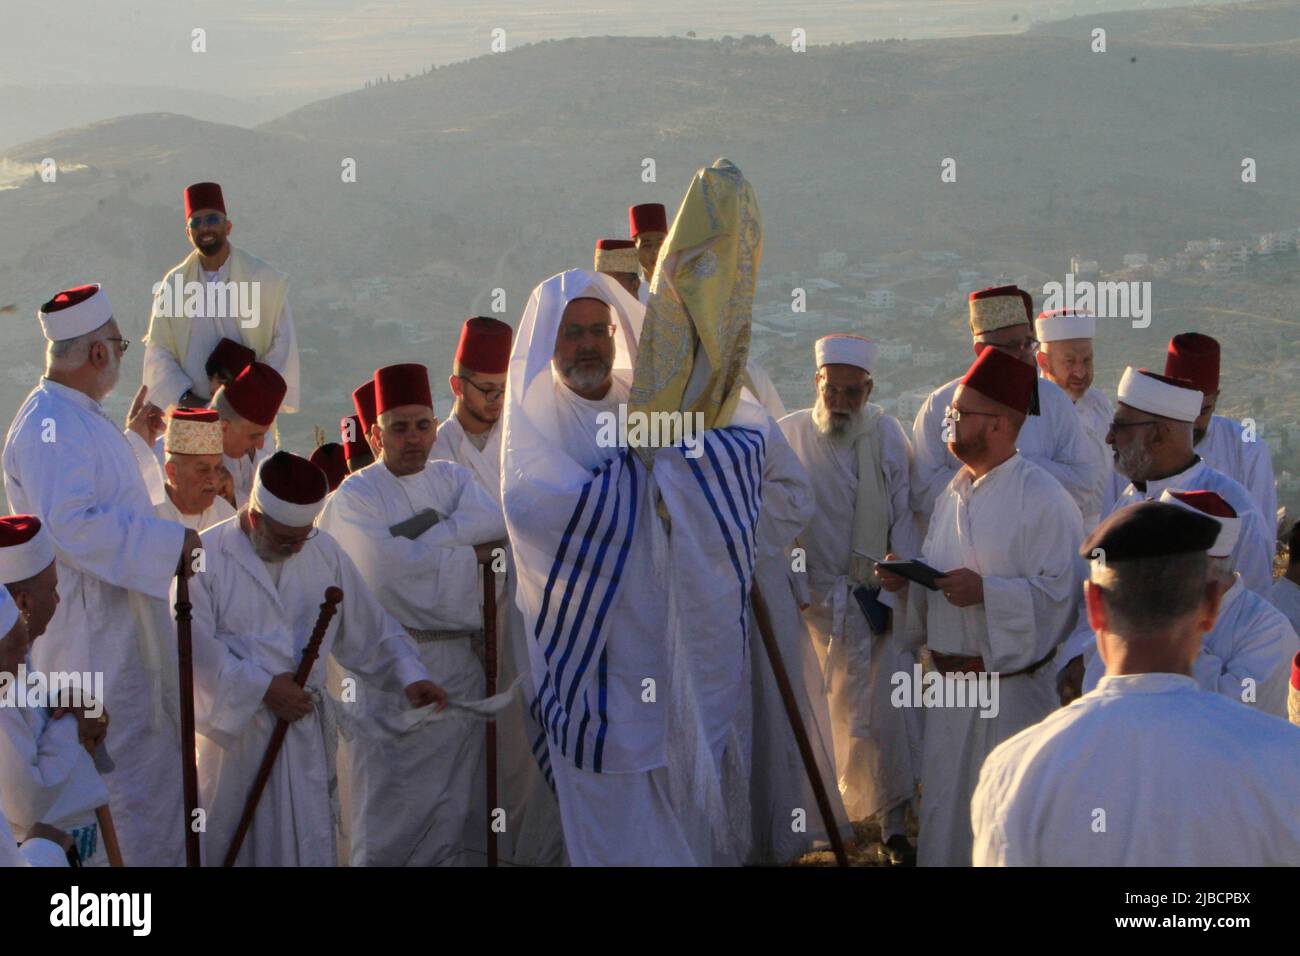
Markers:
point(363, 400)
point(397, 385)
point(647, 217)
point(256, 393)
point(289, 489)
point(231, 357)
point(610, 244)
point(194, 415)
point(997, 308)
point(203, 196)
point(330, 459)
point(352, 433)
point(996, 375)
point(484, 346)
point(1195, 357)
point(1295, 675)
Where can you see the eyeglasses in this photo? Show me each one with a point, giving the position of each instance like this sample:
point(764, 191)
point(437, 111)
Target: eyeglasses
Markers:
point(491, 394)
point(955, 414)
point(211, 219)
point(282, 542)
point(1117, 426)
point(854, 394)
point(122, 344)
point(575, 333)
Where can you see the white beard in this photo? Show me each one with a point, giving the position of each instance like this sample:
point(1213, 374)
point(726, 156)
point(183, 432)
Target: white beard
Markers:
point(839, 432)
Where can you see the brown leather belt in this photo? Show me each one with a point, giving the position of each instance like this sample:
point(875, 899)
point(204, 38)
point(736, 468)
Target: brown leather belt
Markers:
point(961, 664)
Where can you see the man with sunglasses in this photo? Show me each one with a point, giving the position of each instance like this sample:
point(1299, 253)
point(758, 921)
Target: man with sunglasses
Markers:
point(68, 464)
point(1002, 318)
point(471, 435)
point(265, 575)
point(184, 331)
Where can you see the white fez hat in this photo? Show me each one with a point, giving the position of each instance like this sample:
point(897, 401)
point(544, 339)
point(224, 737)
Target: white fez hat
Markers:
point(846, 350)
point(25, 549)
point(1158, 395)
point(1213, 506)
point(74, 312)
point(1059, 324)
point(193, 432)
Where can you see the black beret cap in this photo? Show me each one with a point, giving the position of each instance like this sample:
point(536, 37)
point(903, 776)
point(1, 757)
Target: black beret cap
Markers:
point(1150, 529)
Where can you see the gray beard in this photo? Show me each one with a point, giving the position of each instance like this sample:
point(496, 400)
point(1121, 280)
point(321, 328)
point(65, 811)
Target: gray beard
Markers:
point(1134, 463)
point(839, 432)
point(585, 381)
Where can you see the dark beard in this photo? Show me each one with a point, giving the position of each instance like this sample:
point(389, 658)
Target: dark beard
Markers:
point(211, 248)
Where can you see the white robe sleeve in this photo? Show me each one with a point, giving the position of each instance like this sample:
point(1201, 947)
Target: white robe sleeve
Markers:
point(42, 852)
point(1253, 555)
point(150, 470)
point(1027, 616)
point(369, 641)
point(932, 467)
point(32, 768)
point(430, 583)
point(124, 548)
point(228, 690)
point(1261, 654)
point(788, 499)
point(1075, 460)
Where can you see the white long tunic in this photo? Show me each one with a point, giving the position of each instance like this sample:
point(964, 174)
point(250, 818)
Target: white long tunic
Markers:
point(38, 852)
point(453, 444)
point(67, 463)
point(1245, 657)
point(1285, 596)
point(1017, 528)
point(1249, 463)
point(168, 379)
point(1053, 439)
point(249, 627)
point(413, 795)
point(1147, 770)
point(871, 737)
point(1095, 414)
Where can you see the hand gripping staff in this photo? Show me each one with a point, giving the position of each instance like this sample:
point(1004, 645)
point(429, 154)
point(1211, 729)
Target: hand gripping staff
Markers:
point(328, 607)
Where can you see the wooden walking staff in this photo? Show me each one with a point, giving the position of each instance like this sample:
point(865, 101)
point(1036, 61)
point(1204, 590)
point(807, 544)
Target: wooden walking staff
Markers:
point(333, 596)
point(189, 760)
point(764, 622)
point(490, 731)
point(108, 833)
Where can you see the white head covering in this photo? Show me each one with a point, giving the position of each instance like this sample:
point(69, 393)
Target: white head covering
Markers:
point(532, 446)
point(1229, 526)
point(1141, 389)
point(1060, 324)
point(75, 312)
point(846, 350)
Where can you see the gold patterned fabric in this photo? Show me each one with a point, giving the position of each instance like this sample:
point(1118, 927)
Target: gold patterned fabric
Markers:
point(695, 339)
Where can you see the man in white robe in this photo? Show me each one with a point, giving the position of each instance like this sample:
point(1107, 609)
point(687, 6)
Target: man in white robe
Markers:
point(1247, 655)
point(1226, 445)
point(1002, 317)
point(416, 794)
point(1148, 769)
point(1285, 593)
point(67, 463)
point(193, 448)
point(46, 770)
point(471, 436)
point(1152, 440)
point(44, 845)
point(1065, 358)
point(218, 292)
point(841, 436)
point(255, 604)
point(1002, 536)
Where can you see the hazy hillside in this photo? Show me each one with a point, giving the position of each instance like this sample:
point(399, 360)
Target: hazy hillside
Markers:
point(499, 171)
